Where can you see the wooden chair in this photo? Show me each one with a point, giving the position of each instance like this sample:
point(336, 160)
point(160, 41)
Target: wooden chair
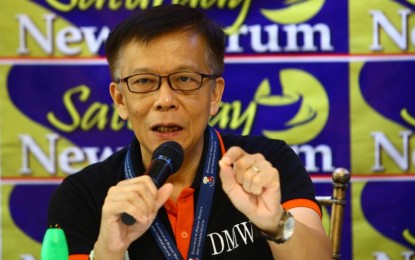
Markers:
point(337, 202)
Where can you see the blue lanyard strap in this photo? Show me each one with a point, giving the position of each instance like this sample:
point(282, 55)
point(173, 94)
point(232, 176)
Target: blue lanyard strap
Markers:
point(204, 202)
point(207, 187)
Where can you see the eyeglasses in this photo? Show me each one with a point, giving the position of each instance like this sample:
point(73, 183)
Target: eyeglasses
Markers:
point(182, 81)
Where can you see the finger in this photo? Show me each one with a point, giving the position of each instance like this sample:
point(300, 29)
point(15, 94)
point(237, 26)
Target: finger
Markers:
point(117, 208)
point(248, 177)
point(142, 201)
point(227, 176)
point(232, 155)
point(137, 212)
point(140, 179)
point(266, 177)
point(245, 168)
point(139, 194)
point(163, 195)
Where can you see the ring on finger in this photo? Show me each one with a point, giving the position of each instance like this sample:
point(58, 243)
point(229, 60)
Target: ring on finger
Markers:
point(255, 169)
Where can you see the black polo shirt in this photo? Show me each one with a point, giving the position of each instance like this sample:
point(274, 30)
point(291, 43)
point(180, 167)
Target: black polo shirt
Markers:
point(76, 204)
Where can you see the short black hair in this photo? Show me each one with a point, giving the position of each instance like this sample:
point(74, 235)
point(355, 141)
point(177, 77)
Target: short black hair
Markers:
point(146, 25)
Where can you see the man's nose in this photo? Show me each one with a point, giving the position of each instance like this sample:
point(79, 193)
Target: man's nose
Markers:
point(165, 95)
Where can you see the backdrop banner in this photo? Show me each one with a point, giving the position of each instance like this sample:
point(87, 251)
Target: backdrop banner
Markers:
point(334, 79)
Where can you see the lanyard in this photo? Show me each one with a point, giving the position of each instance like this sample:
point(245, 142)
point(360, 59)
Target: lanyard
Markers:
point(207, 186)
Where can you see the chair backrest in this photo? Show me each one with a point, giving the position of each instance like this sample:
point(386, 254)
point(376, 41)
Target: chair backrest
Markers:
point(337, 202)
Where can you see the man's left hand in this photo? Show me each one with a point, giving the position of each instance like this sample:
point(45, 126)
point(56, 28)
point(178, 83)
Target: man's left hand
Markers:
point(253, 186)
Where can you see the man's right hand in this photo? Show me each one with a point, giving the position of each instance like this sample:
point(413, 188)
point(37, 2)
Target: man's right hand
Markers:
point(137, 197)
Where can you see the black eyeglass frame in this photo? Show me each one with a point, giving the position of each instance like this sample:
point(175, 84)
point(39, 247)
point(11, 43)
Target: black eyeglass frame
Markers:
point(203, 76)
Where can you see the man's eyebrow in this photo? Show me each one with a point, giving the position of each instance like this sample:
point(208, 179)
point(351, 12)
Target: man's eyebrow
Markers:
point(140, 70)
point(177, 69)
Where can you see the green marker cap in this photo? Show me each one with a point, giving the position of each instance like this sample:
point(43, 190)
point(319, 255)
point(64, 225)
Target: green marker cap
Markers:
point(54, 246)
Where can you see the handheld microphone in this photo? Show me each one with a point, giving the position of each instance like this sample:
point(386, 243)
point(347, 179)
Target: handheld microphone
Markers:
point(166, 160)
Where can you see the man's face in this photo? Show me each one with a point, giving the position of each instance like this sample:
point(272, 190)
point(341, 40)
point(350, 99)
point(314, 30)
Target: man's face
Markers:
point(165, 114)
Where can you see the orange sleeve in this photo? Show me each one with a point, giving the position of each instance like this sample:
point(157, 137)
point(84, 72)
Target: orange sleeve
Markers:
point(79, 257)
point(302, 203)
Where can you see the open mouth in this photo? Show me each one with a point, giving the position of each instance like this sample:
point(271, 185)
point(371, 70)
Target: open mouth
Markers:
point(167, 129)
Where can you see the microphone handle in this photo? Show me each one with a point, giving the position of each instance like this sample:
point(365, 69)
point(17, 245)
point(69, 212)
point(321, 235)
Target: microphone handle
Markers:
point(127, 219)
point(159, 171)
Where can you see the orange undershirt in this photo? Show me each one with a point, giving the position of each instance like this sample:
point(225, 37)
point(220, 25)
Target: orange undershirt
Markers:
point(79, 257)
point(181, 216)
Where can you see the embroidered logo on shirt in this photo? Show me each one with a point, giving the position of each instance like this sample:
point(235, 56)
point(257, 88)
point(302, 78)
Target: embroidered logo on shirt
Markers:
point(228, 240)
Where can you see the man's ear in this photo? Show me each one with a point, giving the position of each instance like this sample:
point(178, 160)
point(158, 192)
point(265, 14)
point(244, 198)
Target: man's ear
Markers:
point(119, 100)
point(217, 93)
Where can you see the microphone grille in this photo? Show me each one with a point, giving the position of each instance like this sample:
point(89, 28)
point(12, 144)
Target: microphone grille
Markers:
point(171, 150)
